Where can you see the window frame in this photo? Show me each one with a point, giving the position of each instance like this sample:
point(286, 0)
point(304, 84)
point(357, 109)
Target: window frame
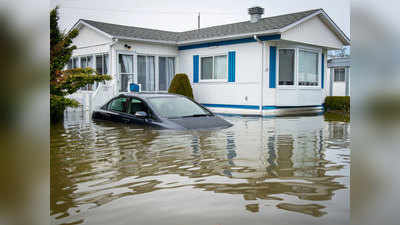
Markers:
point(344, 74)
point(319, 78)
point(295, 68)
point(297, 49)
point(157, 78)
point(213, 72)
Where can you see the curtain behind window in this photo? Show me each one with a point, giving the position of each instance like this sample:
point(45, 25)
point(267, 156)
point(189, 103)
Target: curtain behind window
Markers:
point(206, 68)
point(286, 66)
point(220, 67)
point(126, 70)
point(146, 75)
point(166, 67)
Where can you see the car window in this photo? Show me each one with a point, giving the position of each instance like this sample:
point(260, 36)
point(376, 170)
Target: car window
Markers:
point(174, 107)
point(119, 105)
point(137, 105)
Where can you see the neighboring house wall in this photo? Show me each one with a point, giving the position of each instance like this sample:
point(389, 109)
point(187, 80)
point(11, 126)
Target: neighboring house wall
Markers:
point(314, 32)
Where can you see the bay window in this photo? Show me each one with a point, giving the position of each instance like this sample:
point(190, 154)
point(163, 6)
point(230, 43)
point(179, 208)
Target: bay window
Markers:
point(214, 67)
point(308, 68)
point(286, 66)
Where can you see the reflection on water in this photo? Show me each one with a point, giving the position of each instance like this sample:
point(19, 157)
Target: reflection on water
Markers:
point(282, 170)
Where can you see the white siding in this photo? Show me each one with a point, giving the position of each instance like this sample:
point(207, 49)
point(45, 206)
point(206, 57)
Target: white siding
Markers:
point(90, 41)
point(313, 32)
point(246, 88)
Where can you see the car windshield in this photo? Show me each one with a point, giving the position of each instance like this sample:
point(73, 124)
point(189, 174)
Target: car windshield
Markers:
point(176, 107)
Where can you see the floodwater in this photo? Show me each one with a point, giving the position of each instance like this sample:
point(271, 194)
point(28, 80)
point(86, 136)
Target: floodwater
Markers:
point(284, 170)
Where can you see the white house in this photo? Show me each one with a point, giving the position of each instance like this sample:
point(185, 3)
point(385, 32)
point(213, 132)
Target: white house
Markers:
point(339, 68)
point(264, 66)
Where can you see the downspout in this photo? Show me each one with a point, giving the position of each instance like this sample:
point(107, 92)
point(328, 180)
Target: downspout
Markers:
point(262, 74)
point(115, 88)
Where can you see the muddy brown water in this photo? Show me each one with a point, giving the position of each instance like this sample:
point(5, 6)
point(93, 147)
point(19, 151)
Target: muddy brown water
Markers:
point(288, 170)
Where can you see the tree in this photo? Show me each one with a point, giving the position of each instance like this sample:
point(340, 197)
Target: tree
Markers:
point(65, 82)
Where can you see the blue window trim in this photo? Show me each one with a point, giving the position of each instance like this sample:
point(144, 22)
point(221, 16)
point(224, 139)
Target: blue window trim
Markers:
point(195, 68)
point(272, 66)
point(231, 66)
point(230, 42)
point(255, 107)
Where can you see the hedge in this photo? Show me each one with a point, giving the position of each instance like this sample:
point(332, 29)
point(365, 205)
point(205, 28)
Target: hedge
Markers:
point(181, 85)
point(341, 103)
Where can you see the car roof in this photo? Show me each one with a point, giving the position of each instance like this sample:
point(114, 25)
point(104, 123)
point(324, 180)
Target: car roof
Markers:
point(149, 94)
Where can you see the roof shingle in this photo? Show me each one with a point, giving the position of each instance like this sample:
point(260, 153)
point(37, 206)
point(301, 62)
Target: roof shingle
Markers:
point(264, 24)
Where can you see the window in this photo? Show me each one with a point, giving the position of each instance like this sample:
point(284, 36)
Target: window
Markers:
point(286, 66)
point(102, 64)
point(146, 72)
point(174, 107)
point(125, 71)
point(339, 74)
point(308, 68)
point(166, 71)
point(87, 61)
point(136, 106)
point(214, 68)
point(119, 105)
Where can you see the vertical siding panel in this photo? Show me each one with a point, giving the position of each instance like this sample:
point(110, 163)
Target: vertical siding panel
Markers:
point(272, 67)
point(195, 68)
point(231, 66)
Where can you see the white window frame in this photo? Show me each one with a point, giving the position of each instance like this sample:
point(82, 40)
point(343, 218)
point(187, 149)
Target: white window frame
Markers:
point(102, 62)
point(155, 70)
point(338, 68)
point(213, 80)
point(319, 54)
point(157, 74)
point(295, 69)
point(297, 49)
point(132, 78)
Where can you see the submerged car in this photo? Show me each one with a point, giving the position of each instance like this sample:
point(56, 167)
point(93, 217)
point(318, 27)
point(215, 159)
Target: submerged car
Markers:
point(161, 110)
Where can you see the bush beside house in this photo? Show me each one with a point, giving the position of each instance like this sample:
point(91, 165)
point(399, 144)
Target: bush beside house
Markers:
point(337, 103)
point(181, 85)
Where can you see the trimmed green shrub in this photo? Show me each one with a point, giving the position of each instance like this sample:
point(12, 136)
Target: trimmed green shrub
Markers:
point(181, 85)
point(341, 103)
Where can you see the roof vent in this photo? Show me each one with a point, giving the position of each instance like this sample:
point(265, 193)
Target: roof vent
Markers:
point(255, 13)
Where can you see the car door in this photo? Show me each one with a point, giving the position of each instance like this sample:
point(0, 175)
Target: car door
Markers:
point(136, 105)
point(118, 109)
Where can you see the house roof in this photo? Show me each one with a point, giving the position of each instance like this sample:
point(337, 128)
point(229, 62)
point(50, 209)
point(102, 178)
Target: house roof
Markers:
point(267, 25)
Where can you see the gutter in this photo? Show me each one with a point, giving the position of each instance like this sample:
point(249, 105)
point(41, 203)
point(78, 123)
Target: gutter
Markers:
point(262, 74)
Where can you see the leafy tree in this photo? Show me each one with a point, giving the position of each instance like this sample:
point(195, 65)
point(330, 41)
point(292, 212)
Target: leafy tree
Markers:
point(65, 82)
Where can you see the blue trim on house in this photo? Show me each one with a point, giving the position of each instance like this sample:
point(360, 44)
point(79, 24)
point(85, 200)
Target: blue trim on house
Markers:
point(195, 68)
point(256, 107)
point(322, 71)
point(272, 67)
point(230, 42)
point(231, 66)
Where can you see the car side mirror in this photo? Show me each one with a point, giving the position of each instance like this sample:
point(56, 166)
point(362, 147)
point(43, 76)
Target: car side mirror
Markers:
point(141, 114)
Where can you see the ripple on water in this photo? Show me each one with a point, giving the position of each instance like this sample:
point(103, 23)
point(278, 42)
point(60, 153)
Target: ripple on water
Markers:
point(276, 168)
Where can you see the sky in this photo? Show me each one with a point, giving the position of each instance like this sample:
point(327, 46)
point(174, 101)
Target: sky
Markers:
point(181, 15)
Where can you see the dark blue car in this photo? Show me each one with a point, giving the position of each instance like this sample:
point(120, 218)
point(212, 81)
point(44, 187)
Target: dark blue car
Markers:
point(161, 110)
